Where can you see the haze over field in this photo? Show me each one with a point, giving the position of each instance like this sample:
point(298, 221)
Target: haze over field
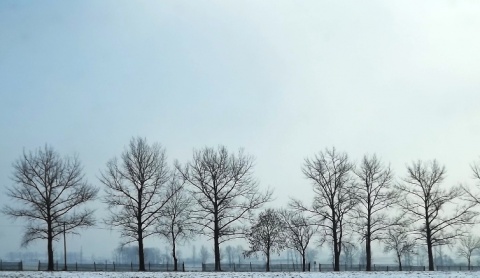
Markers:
point(281, 79)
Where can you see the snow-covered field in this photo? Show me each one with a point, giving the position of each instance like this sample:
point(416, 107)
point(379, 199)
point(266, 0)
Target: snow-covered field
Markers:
point(391, 274)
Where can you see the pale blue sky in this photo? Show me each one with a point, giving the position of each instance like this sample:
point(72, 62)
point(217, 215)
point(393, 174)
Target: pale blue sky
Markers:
point(282, 79)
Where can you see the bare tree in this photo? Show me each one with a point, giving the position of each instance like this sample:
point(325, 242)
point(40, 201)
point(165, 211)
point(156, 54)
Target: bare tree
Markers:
point(425, 202)
point(49, 192)
point(398, 240)
point(230, 253)
point(267, 235)
point(135, 192)
point(349, 252)
point(299, 232)
point(468, 245)
point(311, 254)
point(438, 256)
point(204, 254)
point(335, 196)
point(175, 223)
point(375, 196)
point(362, 255)
point(225, 191)
point(239, 253)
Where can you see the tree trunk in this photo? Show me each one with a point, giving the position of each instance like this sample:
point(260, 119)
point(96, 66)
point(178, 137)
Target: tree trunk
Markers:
point(50, 266)
point(368, 247)
point(50, 250)
point(216, 235)
point(336, 251)
point(141, 254)
point(430, 251)
point(268, 260)
point(303, 261)
point(399, 263)
point(217, 252)
point(336, 255)
point(468, 263)
point(175, 268)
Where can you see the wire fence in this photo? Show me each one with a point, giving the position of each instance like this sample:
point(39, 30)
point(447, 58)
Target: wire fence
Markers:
point(11, 266)
point(245, 267)
point(110, 267)
point(256, 267)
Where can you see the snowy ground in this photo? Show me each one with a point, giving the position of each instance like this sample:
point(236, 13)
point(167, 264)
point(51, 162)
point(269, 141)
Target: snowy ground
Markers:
point(391, 274)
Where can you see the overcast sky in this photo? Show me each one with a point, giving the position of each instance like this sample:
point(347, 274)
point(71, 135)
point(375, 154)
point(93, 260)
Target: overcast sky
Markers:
point(282, 79)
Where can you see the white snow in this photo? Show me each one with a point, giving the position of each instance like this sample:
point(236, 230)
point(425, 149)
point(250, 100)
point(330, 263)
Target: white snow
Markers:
point(349, 274)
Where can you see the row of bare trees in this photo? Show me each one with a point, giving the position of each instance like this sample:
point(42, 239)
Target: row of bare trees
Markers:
point(216, 194)
point(366, 199)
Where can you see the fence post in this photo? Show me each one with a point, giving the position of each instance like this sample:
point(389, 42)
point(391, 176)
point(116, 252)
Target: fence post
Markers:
point(319, 267)
point(387, 267)
point(57, 265)
point(250, 266)
point(38, 265)
point(374, 267)
point(94, 266)
point(21, 265)
point(183, 266)
point(1, 265)
point(424, 268)
point(293, 266)
point(234, 270)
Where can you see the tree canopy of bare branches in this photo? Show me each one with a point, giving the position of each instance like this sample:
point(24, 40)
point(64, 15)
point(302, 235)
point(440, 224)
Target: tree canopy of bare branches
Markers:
point(136, 191)
point(175, 224)
point(267, 235)
point(426, 202)
point(375, 195)
point(472, 195)
point(299, 233)
point(334, 195)
point(50, 192)
point(397, 239)
point(225, 192)
point(468, 245)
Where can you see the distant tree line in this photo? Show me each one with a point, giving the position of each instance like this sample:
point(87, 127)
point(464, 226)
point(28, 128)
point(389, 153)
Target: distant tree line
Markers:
point(217, 195)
